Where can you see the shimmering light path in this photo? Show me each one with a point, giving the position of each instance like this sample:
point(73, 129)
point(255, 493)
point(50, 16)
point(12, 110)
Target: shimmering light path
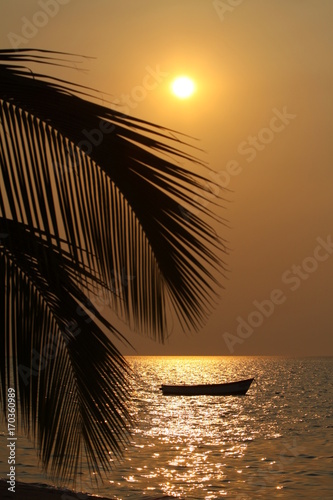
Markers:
point(273, 443)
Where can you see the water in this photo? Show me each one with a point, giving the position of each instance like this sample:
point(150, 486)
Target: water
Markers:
point(276, 442)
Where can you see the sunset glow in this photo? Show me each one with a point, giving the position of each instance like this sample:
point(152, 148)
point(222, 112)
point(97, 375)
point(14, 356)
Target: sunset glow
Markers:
point(183, 87)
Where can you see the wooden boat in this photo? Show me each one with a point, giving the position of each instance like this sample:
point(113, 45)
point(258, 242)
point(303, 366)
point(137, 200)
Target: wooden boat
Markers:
point(239, 388)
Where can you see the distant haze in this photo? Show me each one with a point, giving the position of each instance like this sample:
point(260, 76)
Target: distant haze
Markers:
point(263, 111)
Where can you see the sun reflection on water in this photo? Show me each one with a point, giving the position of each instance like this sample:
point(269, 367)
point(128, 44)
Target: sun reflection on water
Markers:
point(259, 446)
point(197, 432)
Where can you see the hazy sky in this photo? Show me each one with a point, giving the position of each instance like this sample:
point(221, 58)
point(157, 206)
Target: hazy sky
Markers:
point(263, 111)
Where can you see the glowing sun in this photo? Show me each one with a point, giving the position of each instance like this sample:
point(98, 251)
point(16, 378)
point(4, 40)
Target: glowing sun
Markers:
point(183, 87)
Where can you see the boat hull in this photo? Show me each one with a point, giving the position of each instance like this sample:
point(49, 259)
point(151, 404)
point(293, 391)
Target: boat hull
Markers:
point(239, 388)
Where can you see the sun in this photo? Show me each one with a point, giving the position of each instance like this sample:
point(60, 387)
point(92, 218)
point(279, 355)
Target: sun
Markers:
point(183, 87)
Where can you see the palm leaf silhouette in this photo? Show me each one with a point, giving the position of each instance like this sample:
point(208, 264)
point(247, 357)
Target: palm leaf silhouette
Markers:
point(92, 201)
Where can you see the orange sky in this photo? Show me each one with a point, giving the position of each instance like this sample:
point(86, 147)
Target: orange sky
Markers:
point(262, 111)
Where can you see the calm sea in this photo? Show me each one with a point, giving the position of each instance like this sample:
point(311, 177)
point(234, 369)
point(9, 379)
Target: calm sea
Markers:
point(275, 442)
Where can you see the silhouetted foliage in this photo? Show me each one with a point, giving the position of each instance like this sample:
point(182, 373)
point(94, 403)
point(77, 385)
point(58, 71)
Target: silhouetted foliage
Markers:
point(92, 205)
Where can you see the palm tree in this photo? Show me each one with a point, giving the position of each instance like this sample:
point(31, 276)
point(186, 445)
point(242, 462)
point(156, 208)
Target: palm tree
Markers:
point(92, 205)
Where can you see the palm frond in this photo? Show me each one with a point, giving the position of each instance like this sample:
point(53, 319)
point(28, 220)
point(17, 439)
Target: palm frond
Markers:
point(72, 383)
point(121, 178)
point(91, 200)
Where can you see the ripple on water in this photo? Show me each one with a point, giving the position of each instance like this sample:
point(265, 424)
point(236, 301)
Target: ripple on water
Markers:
point(274, 443)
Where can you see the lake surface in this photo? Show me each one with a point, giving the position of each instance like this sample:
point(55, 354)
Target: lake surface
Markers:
point(275, 442)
